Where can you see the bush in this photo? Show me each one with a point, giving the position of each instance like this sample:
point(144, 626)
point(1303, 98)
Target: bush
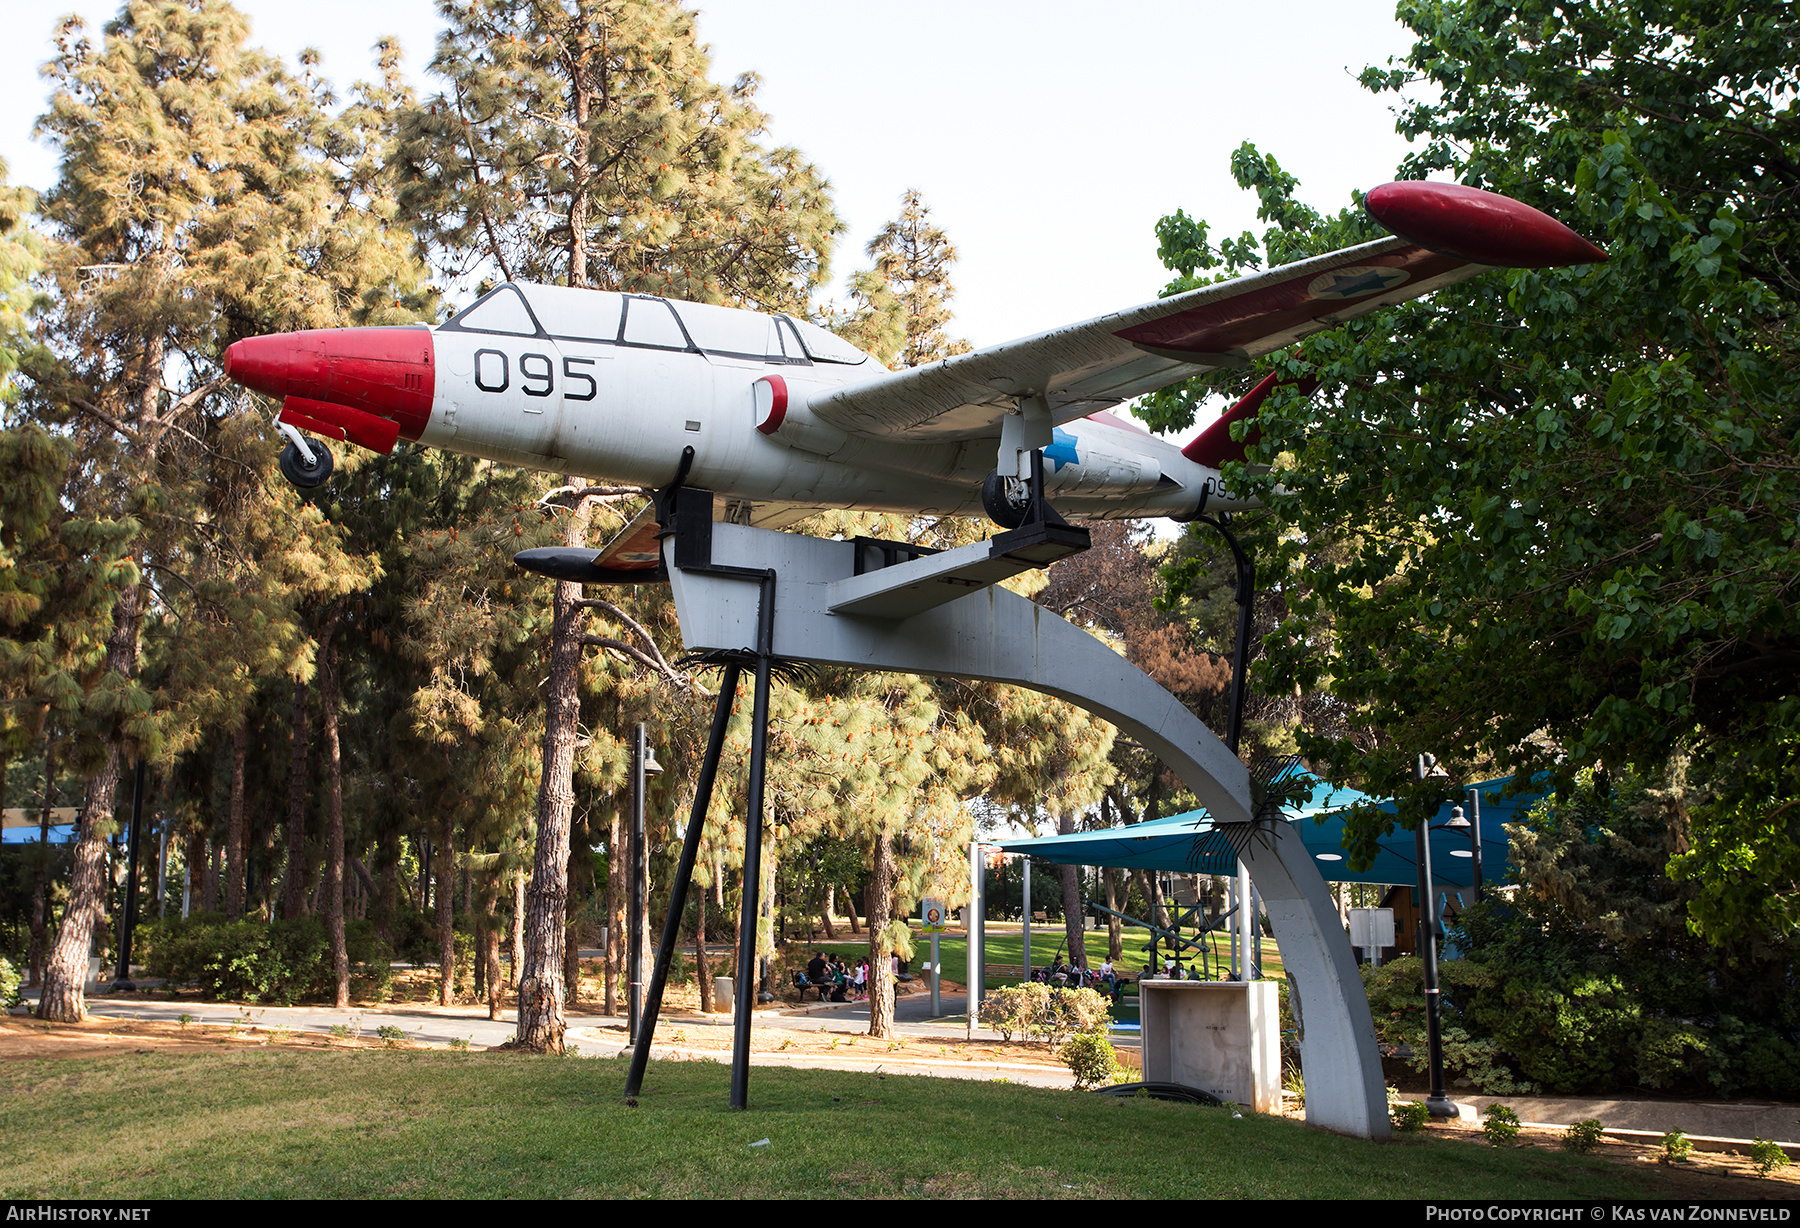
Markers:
point(1501, 1126)
point(1676, 1147)
point(1768, 1156)
point(1091, 1058)
point(1014, 1008)
point(1583, 1136)
point(9, 985)
point(255, 961)
point(1076, 1012)
point(1396, 993)
point(1038, 1012)
point(1408, 1115)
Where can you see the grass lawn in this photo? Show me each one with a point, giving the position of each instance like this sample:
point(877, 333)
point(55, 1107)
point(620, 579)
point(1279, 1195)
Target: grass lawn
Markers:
point(362, 1123)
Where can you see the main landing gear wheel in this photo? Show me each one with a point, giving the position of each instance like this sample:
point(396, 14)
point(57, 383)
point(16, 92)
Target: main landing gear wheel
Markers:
point(1007, 501)
point(295, 469)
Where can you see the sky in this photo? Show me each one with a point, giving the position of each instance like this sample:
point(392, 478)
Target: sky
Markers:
point(1045, 142)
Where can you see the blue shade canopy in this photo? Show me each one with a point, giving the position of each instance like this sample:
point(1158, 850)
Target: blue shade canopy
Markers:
point(1188, 844)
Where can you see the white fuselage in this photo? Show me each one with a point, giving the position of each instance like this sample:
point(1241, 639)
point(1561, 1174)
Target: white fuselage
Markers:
point(624, 401)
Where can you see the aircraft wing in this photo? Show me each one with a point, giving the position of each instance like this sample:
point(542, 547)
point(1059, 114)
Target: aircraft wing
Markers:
point(634, 553)
point(1444, 233)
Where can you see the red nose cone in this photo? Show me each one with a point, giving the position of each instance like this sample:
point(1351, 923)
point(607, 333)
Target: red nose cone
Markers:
point(355, 383)
point(278, 364)
point(1483, 227)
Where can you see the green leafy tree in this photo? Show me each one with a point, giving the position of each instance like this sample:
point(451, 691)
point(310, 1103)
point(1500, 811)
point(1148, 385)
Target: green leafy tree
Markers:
point(1548, 517)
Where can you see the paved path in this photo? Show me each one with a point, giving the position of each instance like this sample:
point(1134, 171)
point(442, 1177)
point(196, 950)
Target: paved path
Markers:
point(604, 1036)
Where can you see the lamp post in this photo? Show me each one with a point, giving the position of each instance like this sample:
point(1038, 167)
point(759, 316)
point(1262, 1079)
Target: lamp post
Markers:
point(1475, 845)
point(643, 764)
point(1437, 1103)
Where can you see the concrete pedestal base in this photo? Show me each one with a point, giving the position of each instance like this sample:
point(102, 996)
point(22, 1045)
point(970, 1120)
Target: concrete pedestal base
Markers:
point(1223, 1037)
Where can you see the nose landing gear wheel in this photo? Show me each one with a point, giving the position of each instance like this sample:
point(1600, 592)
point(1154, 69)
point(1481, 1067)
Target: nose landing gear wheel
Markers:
point(295, 469)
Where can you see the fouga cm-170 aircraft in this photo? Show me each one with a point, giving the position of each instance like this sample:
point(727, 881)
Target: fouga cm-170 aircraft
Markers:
point(780, 418)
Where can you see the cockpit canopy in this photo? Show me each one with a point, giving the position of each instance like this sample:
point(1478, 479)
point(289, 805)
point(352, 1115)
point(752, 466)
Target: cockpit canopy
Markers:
point(606, 318)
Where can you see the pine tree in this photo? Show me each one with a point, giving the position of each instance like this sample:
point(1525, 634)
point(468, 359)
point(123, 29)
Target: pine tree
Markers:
point(583, 143)
point(911, 279)
point(197, 202)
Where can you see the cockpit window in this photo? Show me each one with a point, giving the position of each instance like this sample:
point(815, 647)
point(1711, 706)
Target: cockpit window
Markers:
point(499, 311)
point(576, 315)
point(729, 332)
point(651, 322)
point(822, 346)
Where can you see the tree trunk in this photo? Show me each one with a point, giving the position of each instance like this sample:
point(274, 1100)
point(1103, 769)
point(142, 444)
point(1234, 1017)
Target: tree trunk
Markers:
point(40, 887)
point(881, 948)
point(62, 1000)
point(446, 917)
point(489, 955)
point(294, 879)
point(702, 971)
point(829, 909)
point(1071, 902)
point(234, 825)
point(330, 689)
point(541, 989)
point(517, 954)
point(387, 896)
point(850, 907)
point(1115, 940)
point(581, 876)
point(615, 896)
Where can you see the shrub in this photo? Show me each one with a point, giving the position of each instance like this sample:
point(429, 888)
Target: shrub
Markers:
point(9, 985)
point(1014, 1008)
point(1768, 1156)
point(1036, 1011)
point(391, 1035)
point(1074, 1012)
point(254, 961)
point(1408, 1115)
point(1502, 1124)
point(1583, 1136)
point(1091, 1058)
point(1676, 1147)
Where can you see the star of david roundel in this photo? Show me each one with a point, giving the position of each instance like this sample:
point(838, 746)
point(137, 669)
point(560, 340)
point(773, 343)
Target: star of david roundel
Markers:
point(1357, 281)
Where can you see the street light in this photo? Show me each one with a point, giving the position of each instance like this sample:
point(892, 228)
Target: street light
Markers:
point(643, 764)
point(1437, 1103)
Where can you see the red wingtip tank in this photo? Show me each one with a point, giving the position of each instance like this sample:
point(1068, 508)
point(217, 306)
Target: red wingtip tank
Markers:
point(1483, 227)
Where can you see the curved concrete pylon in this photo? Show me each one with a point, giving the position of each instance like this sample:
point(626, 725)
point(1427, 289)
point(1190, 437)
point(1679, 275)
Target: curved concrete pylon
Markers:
point(996, 635)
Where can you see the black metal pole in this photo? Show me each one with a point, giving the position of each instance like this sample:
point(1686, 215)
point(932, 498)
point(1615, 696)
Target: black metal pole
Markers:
point(128, 914)
point(684, 873)
point(1438, 1102)
point(1246, 593)
point(1475, 845)
point(753, 822)
point(634, 928)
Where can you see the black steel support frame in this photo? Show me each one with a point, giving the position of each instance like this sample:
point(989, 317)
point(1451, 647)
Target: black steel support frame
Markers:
point(684, 873)
point(634, 918)
point(687, 514)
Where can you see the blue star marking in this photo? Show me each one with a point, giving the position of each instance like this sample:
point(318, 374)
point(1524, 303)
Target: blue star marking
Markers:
point(1061, 450)
point(1359, 282)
